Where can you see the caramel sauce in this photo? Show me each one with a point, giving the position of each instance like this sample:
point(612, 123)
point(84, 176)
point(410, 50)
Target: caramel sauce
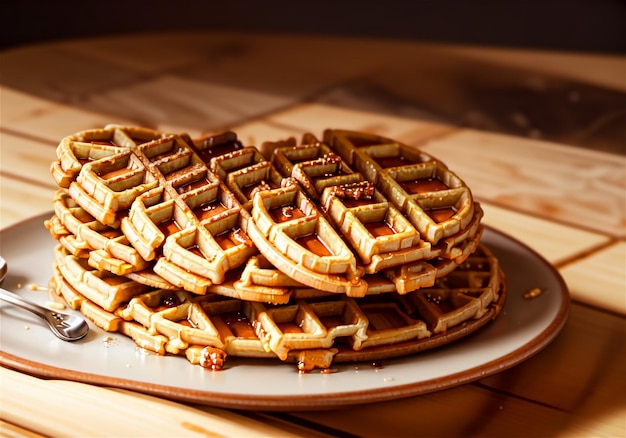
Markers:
point(289, 327)
point(286, 213)
point(295, 158)
point(170, 300)
point(167, 302)
point(440, 214)
point(195, 250)
point(313, 243)
point(472, 294)
point(239, 237)
point(169, 227)
point(217, 150)
point(455, 282)
point(114, 280)
point(114, 173)
point(424, 185)
point(209, 209)
point(239, 324)
point(234, 166)
point(192, 185)
point(378, 365)
point(532, 293)
point(139, 141)
point(381, 319)
point(362, 142)
point(331, 321)
point(338, 172)
point(352, 203)
point(249, 190)
point(187, 323)
point(443, 306)
point(111, 234)
point(381, 228)
point(165, 155)
point(225, 241)
point(397, 161)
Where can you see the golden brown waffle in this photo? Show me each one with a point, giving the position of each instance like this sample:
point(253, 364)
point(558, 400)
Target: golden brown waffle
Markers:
point(312, 332)
point(330, 216)
point(104, 289)
point(104, 247)
point(160, 194)
point(382, 225)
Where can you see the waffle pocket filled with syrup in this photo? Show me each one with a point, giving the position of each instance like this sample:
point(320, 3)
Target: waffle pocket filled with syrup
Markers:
point(346, 248)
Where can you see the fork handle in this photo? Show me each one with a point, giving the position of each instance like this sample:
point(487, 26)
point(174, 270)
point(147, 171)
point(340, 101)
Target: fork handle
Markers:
point(13, 298)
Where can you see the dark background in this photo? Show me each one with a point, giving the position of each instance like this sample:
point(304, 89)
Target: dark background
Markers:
point(576, 25)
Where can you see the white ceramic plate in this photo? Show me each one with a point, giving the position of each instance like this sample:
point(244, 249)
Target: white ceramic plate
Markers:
point(523, 328)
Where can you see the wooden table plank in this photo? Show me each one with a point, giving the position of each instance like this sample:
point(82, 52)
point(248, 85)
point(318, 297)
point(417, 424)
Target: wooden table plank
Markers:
point(172, 104)
point(146, 54)
point(118, 412)
point(589, 371)
point(47, 121)
point(67, 79)
point(465, 411)
point(10, 430)
point(600, 277)
point(27, 159)
point(554, 241)
point(607, 71)
point(316, 117)
point(20, 200)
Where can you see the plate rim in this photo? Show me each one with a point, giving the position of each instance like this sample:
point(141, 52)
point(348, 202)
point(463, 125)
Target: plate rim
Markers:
point(302, 402)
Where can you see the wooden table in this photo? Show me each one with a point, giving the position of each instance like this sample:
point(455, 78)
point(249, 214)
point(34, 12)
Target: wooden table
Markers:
point(538, 136)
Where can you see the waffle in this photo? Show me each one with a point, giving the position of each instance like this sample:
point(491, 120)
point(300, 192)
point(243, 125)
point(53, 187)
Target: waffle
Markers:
point(349, 248)
point(380, 223)
point(313, 332)
point(331, 216)
point(104, 247)
point(176, 214)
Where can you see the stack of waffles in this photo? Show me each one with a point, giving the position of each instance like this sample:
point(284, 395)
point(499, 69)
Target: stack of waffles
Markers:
point(350, 247)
